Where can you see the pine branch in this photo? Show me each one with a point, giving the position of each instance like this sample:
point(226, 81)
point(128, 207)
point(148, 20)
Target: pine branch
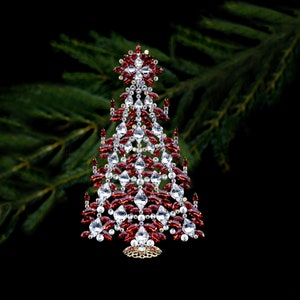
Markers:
point(216, 74)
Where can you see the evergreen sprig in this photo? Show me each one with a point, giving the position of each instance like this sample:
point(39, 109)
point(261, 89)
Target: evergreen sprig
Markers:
point(217, 72)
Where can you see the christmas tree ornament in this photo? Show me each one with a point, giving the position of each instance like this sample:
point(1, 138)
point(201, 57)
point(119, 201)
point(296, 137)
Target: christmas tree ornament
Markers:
point(140, 192)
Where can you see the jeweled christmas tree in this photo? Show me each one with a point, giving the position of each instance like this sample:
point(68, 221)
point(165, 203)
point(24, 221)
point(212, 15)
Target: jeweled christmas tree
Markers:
point(140, 189)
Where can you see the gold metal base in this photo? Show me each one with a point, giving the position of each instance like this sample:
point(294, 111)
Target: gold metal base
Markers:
point(146, 252)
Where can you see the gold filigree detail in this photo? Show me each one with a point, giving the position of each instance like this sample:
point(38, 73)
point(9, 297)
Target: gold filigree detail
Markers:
point(138, 252)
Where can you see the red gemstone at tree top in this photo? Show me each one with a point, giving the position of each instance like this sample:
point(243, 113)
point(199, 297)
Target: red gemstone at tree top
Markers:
point(139, 189)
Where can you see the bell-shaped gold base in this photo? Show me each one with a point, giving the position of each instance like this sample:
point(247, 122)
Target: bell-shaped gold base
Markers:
point(145, 252)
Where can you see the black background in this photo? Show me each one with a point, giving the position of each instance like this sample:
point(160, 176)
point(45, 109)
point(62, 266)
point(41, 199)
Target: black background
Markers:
point(248, 212)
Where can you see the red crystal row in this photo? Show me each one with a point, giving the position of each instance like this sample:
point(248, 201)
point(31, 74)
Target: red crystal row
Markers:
point(140, 189)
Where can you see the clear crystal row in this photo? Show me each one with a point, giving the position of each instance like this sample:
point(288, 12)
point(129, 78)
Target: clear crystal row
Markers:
point(140, 191)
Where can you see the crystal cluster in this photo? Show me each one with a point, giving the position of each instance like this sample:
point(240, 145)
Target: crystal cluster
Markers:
point(140, 191)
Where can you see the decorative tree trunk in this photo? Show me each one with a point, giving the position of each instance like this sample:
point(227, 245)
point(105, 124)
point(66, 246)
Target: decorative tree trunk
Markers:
point(140, 189)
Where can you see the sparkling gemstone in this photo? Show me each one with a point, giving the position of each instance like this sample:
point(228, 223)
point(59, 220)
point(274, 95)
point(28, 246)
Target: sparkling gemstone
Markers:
point(124, 178)
point(162, 215)
point(188, 227)
point(120, 214)
point(95, 227)
point(121, 129)
point(140, 164)
point(177, 192)
point(130, 69)
point(104, 192)
point(138, 104)
point(140, 199)
point(166, 158)
point(142, 236)
point(113, 158)
point(155, 178)
point(157, 129)
point(138, 134)
point(138, 63)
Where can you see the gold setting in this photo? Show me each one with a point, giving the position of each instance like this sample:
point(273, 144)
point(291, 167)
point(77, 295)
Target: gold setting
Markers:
point(145, 252)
